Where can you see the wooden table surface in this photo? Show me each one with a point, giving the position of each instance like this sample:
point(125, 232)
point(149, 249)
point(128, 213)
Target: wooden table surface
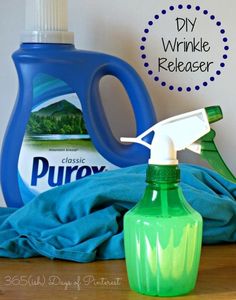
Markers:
point(40, 278)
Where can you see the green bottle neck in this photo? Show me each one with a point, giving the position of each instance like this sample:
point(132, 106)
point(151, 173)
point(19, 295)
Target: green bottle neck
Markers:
point(163, 186)
point(163, 195)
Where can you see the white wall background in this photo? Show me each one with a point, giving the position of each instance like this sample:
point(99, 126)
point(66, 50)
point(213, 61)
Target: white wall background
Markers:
point(115, 27)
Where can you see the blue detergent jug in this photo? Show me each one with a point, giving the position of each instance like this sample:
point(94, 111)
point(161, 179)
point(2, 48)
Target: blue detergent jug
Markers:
point(58, 130)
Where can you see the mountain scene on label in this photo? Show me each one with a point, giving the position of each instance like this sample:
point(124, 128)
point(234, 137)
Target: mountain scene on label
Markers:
point(59, 118)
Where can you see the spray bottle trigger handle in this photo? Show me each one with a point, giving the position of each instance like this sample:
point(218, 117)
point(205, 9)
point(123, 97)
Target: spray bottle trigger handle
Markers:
point(210, 153)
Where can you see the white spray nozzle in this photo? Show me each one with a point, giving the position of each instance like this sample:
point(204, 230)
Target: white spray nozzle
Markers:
point(172, 135)
point(46, 21)
point(135, 140)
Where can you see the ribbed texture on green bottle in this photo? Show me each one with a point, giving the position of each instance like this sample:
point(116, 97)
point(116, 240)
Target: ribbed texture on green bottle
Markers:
point(157, 174)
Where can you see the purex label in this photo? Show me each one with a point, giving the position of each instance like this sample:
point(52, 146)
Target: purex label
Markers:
point(57, 148)
point(61, 174)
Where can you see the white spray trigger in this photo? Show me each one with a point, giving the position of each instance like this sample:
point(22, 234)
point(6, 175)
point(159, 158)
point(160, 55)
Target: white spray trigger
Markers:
point(172, 135)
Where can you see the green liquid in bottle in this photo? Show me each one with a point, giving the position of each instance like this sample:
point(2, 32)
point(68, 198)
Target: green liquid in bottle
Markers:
point(163, 236)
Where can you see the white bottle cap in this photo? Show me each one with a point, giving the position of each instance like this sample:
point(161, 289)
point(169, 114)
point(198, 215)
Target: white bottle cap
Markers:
point(163, 151)
point(47, 22)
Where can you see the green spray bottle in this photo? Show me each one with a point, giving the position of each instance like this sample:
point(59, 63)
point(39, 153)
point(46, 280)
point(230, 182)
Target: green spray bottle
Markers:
point(163, 233)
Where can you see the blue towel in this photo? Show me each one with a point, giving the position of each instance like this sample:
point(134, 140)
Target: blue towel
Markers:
point(83, 221)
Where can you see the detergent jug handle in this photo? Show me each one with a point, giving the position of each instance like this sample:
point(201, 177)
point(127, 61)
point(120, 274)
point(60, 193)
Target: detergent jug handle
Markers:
point(97, 124)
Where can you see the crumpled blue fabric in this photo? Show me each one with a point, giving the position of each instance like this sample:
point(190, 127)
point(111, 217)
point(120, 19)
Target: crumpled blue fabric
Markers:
point(83, 221)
